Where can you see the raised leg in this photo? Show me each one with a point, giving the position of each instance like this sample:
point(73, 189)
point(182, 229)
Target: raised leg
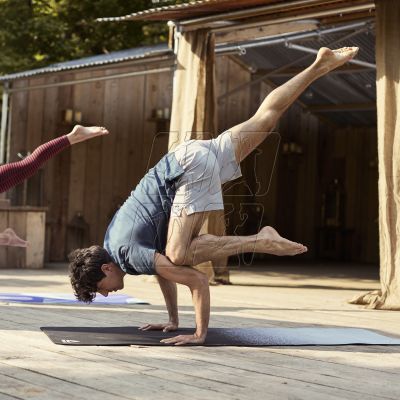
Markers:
point(249, 134)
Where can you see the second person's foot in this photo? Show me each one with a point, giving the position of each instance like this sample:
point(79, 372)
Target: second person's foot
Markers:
point(81, 133)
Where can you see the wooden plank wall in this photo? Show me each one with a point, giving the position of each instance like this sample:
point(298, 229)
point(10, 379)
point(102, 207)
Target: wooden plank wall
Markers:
point(296, 209)
point(84, 185)
point(18, 122)
point(231, 111)
point(355, 148)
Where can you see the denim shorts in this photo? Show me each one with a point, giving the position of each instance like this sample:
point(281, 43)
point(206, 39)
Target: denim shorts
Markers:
point(207, 165)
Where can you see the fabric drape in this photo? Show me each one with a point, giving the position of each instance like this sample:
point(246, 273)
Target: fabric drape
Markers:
point(193, 115)
point(388, 107)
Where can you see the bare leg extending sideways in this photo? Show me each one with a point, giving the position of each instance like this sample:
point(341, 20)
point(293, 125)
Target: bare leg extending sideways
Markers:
point(210, 247)
point(184, 247)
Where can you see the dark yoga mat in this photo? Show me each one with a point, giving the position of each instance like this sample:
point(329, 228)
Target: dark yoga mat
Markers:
point(127, 335)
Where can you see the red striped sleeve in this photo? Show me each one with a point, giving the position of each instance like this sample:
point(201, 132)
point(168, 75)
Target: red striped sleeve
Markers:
point(14, 173)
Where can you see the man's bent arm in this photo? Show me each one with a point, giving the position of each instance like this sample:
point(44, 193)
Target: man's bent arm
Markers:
point(197, 283)
point(169, 292)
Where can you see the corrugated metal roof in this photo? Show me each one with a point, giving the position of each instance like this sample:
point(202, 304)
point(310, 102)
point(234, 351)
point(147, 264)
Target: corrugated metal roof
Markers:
point(92, 61)
point(332, 89)
point(190, 10)
point(203, 8)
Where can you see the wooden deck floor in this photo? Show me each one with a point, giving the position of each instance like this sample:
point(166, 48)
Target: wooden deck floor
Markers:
point(31, 367)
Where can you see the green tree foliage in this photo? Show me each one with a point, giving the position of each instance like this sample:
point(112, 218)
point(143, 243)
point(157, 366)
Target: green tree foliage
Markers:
point(35, 33)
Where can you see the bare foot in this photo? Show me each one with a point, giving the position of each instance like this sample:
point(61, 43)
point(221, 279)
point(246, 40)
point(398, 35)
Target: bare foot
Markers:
point(328, 59)
point(9, 238)
point(81, 133)
point(222, 281)
point(269, 241)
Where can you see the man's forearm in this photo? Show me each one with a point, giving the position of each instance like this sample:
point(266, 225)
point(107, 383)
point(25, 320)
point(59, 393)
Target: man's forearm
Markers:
point(169, 291)
point(201, 302)
point(197, 282)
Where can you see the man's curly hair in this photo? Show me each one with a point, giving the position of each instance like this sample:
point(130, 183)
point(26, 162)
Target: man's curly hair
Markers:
point(85, 271)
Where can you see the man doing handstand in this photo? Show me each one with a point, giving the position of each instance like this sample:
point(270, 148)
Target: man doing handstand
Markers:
point(156, 230)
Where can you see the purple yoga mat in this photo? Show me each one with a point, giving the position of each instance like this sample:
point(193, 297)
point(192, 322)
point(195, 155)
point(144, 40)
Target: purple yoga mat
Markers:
point(49, 298)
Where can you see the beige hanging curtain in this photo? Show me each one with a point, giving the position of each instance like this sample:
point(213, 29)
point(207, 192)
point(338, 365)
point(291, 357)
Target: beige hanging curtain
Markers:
point(193, 102)
point(388, 106)
point(193, 114)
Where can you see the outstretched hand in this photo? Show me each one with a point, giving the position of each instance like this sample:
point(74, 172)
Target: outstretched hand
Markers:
point(185, 339)
point(168, 327)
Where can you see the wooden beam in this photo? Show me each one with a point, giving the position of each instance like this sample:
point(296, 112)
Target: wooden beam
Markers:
point(242, 64)
point(341, 18)
point(263, 31)
point(343, 107)
point(296, 70)
point(289, 10)
point(349, 9)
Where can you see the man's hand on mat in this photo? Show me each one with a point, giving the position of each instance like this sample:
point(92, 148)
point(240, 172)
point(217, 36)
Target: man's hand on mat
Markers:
point(185, 339)
point(169, 327)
